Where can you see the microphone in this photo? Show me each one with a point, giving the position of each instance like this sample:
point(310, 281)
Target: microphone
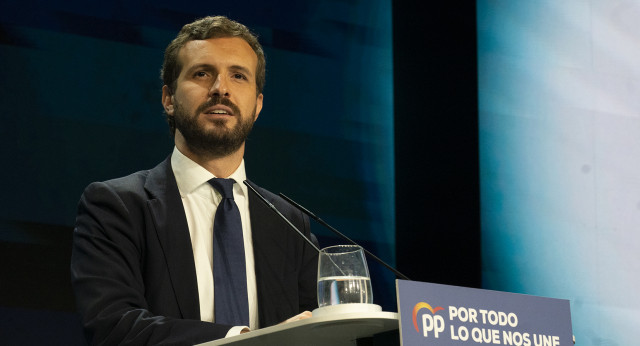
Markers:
point(270, 205)
point(319, 220)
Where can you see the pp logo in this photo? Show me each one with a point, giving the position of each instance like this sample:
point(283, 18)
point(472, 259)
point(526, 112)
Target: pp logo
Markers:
point(430, 322)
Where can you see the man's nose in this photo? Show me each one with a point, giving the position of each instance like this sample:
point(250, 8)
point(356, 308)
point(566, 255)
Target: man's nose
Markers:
point(219, 87)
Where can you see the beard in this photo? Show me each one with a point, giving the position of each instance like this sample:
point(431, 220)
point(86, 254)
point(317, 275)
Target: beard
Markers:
point(218, 141)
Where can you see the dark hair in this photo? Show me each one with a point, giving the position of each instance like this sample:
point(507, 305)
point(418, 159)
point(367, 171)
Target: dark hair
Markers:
point(202, 29)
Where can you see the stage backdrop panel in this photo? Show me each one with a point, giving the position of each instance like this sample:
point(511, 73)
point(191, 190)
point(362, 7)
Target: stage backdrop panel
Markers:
point(559, 150)
point(80, 94)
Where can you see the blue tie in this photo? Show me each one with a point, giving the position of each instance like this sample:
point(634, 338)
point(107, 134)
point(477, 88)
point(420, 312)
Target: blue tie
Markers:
point(229, 269)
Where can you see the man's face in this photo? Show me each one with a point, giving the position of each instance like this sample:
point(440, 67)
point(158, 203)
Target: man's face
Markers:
point(215, 102)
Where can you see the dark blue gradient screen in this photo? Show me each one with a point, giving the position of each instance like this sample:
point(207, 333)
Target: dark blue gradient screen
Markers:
point(80, 94)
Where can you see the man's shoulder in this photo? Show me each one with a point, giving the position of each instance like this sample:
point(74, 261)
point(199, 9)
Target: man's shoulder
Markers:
point(269, 196)
point(135, 182)
point(279, 203)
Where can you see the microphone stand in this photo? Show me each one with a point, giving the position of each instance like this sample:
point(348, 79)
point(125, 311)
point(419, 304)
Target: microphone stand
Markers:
point(322, 222)
point(270, 205)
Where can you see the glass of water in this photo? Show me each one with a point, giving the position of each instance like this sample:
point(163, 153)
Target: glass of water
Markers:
point(343, 276)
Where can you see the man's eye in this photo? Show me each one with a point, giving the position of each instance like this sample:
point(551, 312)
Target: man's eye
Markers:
point(239, 76)
point(200, 74)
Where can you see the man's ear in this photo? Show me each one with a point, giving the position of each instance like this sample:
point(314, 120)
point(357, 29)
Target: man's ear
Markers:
point(167, 99)
point(258, 106)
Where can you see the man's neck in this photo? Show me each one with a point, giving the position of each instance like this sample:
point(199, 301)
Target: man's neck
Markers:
point(221, 167)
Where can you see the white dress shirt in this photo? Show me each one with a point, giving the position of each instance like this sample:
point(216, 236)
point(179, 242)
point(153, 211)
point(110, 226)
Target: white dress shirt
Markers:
point(200, 201)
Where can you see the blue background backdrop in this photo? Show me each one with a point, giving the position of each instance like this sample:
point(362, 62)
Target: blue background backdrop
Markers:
point(370, 120)
point(559, 146)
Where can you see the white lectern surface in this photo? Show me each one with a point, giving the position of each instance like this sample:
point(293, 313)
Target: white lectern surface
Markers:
point(335, 330)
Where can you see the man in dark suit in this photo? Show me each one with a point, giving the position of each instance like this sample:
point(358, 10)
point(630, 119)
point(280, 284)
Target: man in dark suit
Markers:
point(142, 251)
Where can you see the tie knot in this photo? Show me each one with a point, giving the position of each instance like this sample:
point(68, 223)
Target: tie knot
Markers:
point(223, 186)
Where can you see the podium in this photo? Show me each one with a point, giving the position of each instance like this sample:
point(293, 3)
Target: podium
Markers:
point(335, 330)
point(429, 314)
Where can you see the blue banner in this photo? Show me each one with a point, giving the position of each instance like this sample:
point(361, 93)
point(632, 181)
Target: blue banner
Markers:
point(433, 314)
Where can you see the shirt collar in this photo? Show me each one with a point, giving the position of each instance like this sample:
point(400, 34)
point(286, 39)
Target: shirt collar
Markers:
point(190, 175)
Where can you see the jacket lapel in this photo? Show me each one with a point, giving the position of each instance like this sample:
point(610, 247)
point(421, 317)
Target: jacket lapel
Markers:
point(271, 256)
point(170, 222)
point(257, 212)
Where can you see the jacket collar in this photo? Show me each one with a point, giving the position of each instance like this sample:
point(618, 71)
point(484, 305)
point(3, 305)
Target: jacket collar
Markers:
point(170, 222)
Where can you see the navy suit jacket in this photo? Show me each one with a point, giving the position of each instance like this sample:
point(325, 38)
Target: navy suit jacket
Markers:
point(133, 270)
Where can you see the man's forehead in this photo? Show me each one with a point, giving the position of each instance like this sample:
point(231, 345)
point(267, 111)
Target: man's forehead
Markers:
point(234, 48)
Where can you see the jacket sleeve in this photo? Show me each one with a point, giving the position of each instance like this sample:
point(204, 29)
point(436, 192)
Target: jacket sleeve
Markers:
point(107, 277)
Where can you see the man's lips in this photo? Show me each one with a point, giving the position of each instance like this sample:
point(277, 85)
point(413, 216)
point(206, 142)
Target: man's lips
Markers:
point(218, 110)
